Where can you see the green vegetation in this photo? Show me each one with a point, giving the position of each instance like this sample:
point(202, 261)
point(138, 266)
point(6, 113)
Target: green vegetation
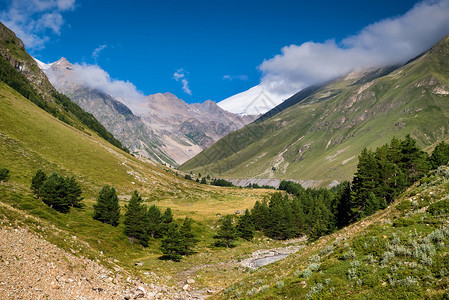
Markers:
point(135, 220)
point(320, 137)
point(56, 191)
point(62, 108)
point(221, 182)
point(226, 235)
point(4, 174)
point(375, 258)
point(107, 208)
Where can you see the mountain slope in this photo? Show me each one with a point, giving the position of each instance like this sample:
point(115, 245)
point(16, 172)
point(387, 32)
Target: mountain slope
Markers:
point(320, 137)
point(161, 127)
point(20, 71)
point(398, 253)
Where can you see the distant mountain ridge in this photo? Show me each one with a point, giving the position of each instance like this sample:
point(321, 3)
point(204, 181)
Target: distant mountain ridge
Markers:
point(164, 128)
point(320, 135)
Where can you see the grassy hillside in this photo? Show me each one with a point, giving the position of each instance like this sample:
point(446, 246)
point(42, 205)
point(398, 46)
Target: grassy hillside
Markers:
point(398, 253)
point(320, 137)
point(30, 139)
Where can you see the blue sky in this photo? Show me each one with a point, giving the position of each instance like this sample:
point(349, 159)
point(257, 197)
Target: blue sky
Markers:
point(197, 50)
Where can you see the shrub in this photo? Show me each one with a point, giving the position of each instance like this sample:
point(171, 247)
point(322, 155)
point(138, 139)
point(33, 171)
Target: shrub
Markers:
point(4, 174)
point(440, 207)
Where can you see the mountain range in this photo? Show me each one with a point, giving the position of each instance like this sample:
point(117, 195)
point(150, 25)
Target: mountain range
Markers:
point(161, 127)
point(317, 134)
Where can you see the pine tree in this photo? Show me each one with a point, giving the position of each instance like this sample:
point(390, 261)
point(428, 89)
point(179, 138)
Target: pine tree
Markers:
point(226, 234)
point(366, 179)
point(189, 239)
point(167, 219)
point(440, 155)
point(107, 208)
point(136, 227)
point(280, 220)
point(37, 181)
point(203, 180)
point(54, 193)
point(414, 163)
point(154, 217)
point(173, 244)
point(4, 174)
point(73, 192)
point(260, 215)
point(343, 191)
point(372, 205)
point(245, 226)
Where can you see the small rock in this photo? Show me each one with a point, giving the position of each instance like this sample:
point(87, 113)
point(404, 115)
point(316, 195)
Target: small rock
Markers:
point(139, 264)
point(304, 284)
point(108, 280)
point(190, 281)
point(186, 287)
point(384, 236)
point(210, 291)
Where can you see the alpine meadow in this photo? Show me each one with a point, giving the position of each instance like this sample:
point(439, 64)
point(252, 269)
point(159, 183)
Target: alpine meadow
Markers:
point(321, 173)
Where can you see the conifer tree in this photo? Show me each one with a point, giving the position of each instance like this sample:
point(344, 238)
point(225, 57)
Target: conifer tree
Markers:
point(226, 234)
point(203, 180)
point(280, 220)
point(260, 215)
point(37, 181)
point(366, 179)
point(54, 193)
point(372, 205)
point(136, 226)
point(4, 174)
point(173, 244)
point(189, 239)
point(245, 226)
point(73, 192)
point(414, 163)
point(154, 217)
point(440, 155)
point(107, 208)
point(167, 218)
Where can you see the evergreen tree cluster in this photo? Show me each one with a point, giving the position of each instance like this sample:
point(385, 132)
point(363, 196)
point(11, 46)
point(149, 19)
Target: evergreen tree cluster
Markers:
point(221, 182)
point(57, 191)
point(381, 176)
point(142, 223)
point(304, 211)
point(228, 234)
point(386, 172)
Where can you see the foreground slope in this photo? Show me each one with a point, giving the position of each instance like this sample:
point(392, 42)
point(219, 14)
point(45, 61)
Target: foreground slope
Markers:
point(320, 137)
point(398, 253)
point(32, 139)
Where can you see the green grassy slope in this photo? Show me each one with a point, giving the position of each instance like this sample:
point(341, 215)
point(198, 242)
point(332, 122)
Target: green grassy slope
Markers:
point(32, 139)
point(321, 137)
point(398, 253)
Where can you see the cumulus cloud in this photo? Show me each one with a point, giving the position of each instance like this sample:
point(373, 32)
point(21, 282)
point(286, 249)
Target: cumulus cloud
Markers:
point(235, 77)
point(387, 42)
point(33, 20)
point(180, 75)
point(94, 77)
point(97, 51)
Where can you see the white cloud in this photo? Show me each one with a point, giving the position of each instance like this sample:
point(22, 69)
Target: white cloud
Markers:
point(387, 42)
point(33, 20)
point(235, 77)
point(180, 75)
point(97, 51)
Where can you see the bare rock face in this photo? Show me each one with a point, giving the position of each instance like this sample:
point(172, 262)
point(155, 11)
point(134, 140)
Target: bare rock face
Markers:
point(163, 128)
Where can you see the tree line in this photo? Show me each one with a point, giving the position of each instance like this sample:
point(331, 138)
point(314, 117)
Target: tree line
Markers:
point(380, 177)
point(57, 191)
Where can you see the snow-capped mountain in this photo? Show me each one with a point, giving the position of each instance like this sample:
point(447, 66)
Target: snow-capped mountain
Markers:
point(160, 126)
point(255, 101)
